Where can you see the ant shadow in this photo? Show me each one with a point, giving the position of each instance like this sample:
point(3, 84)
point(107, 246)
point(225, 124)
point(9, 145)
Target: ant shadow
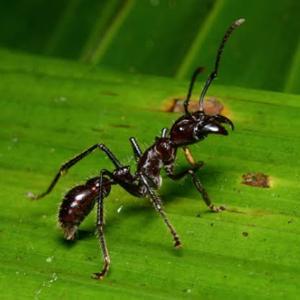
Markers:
point(184, 188)
point(171, 192)
point(82, 234)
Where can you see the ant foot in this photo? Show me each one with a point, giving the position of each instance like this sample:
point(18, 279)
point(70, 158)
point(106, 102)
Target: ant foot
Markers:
point(31, 196)
point(98, 276)
point(177, 244)
point(216, 208)
point(101, 275)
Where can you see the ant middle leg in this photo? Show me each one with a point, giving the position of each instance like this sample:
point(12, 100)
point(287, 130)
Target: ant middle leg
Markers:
point(67, 165)
point(157, 203)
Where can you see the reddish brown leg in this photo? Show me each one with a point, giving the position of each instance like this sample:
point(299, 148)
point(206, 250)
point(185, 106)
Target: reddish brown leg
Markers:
point(67, 165)
point(157, 203)
point(100, 228)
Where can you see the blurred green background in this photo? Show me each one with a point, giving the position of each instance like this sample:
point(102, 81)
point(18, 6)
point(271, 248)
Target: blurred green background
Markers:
point(166, 38)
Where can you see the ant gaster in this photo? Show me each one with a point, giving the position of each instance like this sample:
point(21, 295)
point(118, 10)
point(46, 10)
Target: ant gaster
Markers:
point(188, 129)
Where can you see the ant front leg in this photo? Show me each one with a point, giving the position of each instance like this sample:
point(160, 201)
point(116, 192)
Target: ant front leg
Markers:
point(189, 157)
point(67, 165)
point(100, 227)
point(157, 203)
point(204, 193)
point(197, 183)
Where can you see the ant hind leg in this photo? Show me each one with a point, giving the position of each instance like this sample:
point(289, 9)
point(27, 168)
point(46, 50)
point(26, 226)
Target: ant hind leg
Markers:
point(100, 227)
point(67, 165)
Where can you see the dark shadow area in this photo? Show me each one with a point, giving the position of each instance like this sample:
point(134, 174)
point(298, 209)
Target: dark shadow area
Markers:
point(172, 190)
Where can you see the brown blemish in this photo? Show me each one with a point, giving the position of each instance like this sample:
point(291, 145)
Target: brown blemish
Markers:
point(121, 125)
point(256, 179)
point(212, 105)
point(245, 233)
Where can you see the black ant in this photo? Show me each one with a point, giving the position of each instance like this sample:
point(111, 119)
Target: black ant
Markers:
point(188, 129)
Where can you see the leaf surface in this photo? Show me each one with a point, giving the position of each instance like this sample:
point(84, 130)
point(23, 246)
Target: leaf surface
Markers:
point(53, 109)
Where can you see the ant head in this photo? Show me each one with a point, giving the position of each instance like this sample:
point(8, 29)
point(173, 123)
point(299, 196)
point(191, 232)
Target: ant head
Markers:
point(193, 127)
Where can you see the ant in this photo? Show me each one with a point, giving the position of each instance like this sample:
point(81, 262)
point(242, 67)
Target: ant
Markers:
point(144, 183)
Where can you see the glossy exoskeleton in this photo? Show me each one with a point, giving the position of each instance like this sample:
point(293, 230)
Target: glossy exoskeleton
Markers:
point(187, 130)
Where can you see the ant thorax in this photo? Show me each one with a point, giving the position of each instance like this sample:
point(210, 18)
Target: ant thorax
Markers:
point(160, 154)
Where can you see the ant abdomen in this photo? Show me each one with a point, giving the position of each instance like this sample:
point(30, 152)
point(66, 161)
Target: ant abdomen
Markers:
point(78, 203)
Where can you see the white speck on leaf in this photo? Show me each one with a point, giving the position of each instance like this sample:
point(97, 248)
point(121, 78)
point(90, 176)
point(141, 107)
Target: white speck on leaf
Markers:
point(49, 259)
point(46, 284)
point(53, 278)
point(60, 99)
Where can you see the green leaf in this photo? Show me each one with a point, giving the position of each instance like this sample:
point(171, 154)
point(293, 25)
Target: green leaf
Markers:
point(52, 109)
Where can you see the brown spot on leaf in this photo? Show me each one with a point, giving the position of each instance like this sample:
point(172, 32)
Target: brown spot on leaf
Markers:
point(256, 179)
point(121, 125)
point(109, 93)
point(212, 105)
point(245, 233)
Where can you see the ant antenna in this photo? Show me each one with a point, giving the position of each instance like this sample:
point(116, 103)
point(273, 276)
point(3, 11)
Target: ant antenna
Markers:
point(188, 97)
point(214, 73)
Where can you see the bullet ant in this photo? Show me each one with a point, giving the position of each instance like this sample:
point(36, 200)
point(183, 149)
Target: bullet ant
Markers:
point(187, 130)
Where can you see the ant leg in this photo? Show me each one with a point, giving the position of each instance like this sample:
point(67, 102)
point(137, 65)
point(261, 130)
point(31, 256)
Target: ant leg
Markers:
point(157, 203)
point(203, 192)
point(67, 165)
point(170, 172)
point(164, 132)
point(197, 183)
point(136, 148)
point(190, 158)
point(100, 226)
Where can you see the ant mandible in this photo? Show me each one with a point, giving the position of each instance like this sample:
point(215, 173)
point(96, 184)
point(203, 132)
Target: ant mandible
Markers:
point(188, 129)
